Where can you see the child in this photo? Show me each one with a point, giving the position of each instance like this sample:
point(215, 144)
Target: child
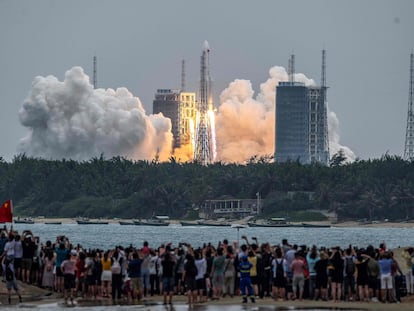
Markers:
point(10, 278)
point(245, 280)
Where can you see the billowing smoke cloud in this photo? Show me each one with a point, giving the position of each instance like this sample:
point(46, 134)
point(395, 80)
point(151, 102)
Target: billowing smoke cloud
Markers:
point(334, 145)
point(71, 119)
point(245, 126)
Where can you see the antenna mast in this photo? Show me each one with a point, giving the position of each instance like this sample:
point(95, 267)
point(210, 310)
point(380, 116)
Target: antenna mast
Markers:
point(291, 68)
point(95, 77)
point(323, 76)
point(409, 135)
point(183, 75)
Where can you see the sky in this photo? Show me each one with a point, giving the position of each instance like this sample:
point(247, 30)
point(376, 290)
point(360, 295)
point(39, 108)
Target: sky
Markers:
point(140, 45)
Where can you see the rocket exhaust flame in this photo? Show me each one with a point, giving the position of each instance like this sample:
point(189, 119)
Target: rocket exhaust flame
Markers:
point(204, 142)
point(71, 119)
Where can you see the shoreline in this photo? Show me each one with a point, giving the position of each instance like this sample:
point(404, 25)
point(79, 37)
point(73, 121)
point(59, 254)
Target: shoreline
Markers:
point(35, 298)
point(345, 224)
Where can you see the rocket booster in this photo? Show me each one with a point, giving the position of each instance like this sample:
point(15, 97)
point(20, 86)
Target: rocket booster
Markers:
point(205, 97)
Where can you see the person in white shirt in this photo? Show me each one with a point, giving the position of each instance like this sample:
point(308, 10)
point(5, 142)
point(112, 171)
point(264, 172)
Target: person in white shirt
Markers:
point(9, 247)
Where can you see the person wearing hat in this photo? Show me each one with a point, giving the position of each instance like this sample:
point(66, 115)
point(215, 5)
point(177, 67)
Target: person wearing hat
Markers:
point(245, 280)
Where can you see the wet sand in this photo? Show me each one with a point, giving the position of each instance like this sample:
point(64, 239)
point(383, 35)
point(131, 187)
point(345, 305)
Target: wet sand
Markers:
point(37, 298)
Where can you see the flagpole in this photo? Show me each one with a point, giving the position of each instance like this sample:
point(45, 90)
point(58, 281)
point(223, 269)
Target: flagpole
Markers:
point(12, 219)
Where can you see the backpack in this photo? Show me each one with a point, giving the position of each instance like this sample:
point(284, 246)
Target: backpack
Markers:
point(280, 271)
point(116, 267)
point(349, 266)
point(9, 274)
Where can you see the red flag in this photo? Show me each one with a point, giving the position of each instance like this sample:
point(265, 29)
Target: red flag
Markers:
point(6, 213)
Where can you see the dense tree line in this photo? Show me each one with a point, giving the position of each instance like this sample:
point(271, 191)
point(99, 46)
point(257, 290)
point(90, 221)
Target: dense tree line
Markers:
point(118, 187)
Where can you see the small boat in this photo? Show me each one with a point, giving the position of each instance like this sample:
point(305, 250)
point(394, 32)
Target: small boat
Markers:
point(189, 223)
point(24, 221)
point(126, 223)
point(86, 221)
point(213, 224)
point(239, 226)
point(53, 222)
point(151, 222)
point(305, 225)
point(278, 222)
point(267, 224)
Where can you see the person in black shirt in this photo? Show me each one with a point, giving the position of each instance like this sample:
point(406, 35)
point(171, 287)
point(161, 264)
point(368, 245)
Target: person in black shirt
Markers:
point(168, 264)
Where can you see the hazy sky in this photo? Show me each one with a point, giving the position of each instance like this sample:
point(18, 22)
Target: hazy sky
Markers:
point(140, 44)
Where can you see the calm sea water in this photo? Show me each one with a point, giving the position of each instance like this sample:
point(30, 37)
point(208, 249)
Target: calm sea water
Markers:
point(107, 236)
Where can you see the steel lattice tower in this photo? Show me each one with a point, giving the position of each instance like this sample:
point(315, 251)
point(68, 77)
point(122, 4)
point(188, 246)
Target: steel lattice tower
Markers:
point(203, 149)
point(95, 72)
point(409, 135)
point(324, 90)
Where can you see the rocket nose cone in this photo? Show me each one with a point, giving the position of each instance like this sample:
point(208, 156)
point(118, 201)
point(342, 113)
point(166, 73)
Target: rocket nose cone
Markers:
point(206, 46)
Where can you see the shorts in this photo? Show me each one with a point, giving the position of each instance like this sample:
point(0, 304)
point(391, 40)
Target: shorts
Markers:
point(201, 284)
point(178, 278)
point(218, 280)
point(17, 263)
point(97, 279)
point(349, 283)
point(136, 284)
point(321, 281)
point(69, 281)
point(27, 263)
point(386, 281)
point(106, 276)
point(59, 272)
point(190, 284)
point(279, 282)
point(373, 282)
point(298, 280)
point(168, 284)
point(90, 280)
point(254, 280)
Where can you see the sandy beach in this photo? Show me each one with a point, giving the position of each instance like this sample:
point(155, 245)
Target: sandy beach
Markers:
point(35, 298)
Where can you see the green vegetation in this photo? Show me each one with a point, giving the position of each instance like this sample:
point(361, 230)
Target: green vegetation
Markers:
point(117, 187)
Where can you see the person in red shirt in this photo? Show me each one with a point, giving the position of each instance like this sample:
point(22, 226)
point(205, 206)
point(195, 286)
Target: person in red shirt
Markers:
point(298, 267)
point(81, 273)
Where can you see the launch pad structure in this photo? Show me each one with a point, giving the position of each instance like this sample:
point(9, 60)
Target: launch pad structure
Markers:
point(409, 135)
point(204, 152)
point(301, 131)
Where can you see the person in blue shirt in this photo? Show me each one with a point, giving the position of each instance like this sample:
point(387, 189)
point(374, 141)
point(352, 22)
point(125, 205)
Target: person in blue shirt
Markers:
point(245, 280)
point(385, 264)
point(134, 273)
point(61, 253)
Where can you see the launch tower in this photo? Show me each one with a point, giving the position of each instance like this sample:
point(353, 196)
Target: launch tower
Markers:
point(95, 72)
point(204, 150)
point(302, 119)
point(409, 135)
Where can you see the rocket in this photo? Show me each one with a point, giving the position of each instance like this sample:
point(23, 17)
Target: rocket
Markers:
point(204, 144)
point(205, 94)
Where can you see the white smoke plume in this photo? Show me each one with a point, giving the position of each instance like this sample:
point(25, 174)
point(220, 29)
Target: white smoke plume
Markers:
point(334, 145)
point(245, 126)
point(71, 119)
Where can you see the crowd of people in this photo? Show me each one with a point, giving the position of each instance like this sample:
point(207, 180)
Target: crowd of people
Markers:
point(251, 270)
